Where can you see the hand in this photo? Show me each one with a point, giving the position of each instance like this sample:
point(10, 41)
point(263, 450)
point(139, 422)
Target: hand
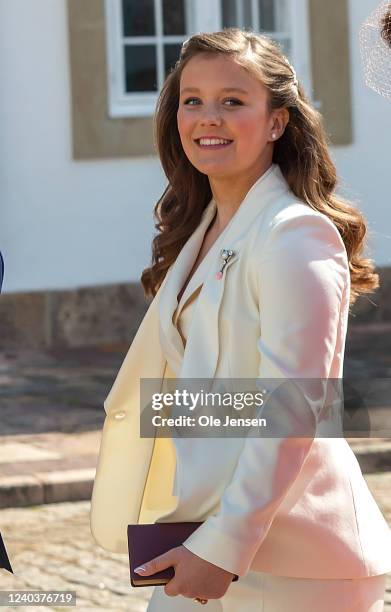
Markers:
point(194, 577)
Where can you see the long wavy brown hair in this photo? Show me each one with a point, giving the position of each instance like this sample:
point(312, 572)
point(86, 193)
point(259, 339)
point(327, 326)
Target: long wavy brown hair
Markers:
point(301, 152)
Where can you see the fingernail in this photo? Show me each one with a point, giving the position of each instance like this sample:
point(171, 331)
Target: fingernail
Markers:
point(141, 569)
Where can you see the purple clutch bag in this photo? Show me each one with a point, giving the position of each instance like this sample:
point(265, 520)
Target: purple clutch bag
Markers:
point(145, 542)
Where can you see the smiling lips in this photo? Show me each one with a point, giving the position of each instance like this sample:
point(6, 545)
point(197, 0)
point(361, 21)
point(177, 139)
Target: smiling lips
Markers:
point(213, 143)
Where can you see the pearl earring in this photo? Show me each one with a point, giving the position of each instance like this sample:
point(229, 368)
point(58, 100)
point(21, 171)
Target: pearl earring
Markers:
point(273, 135)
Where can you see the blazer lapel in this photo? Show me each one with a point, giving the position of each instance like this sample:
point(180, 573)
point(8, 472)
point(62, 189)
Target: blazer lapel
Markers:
point(170, 338)
point(202, 347)
point(198, 277)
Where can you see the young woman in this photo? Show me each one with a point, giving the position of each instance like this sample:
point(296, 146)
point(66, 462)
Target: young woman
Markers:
point(254, 268)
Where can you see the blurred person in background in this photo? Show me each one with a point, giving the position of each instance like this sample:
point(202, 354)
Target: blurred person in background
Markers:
point(375, 47)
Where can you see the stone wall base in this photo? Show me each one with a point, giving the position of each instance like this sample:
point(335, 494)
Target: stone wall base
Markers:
point(81, 317)
point(112, 313)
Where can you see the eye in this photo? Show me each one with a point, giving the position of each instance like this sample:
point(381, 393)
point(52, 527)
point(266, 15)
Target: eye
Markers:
point(234, 100)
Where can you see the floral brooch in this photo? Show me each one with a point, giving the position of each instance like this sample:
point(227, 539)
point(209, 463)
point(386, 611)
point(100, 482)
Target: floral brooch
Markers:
point(226, 255)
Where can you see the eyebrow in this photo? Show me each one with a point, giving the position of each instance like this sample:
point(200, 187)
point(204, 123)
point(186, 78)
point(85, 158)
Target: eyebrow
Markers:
point(238, 89)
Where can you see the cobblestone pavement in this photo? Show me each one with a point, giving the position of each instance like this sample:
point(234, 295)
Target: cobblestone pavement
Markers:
point(368, 350)
point(52, 548)
point(44, 394)
point(62, 390)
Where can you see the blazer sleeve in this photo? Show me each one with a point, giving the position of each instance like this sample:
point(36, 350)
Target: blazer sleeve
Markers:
point(302, 276)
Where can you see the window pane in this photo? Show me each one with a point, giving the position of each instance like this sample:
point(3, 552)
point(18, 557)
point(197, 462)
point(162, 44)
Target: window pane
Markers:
point(285, 45)
point(171, 55)
point(273, 15)
point(138, 17)
point(174, 21)
point(267, 15)
point(228, 11)
point(237, 13)
point(140, 68)
point(246, 14)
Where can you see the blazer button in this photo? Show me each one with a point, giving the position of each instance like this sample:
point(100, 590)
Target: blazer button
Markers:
point(119, 415)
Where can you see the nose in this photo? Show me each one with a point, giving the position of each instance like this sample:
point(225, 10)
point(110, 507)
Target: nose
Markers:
point(210, 116)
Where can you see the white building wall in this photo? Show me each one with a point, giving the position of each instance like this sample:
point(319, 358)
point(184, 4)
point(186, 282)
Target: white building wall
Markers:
point(65, 223)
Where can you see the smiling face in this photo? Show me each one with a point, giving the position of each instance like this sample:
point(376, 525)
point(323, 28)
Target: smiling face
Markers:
point(220, 99)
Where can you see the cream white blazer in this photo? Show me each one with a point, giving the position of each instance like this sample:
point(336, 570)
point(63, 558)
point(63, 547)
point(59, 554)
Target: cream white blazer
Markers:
point(280, 310)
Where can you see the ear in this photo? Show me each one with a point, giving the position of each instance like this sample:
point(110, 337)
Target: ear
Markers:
point(279, 121)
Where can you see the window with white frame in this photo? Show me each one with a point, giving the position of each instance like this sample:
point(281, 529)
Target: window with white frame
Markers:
point(144, 40)
point(271, 17)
